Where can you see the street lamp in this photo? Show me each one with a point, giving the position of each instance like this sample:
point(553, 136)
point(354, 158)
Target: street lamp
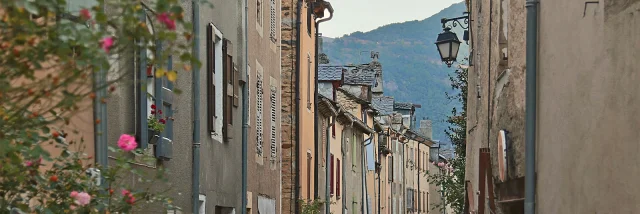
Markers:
point(447, 42)
point(448, 45)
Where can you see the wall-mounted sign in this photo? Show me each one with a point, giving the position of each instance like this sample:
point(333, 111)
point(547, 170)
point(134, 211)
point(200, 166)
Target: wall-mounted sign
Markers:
point(502, 155)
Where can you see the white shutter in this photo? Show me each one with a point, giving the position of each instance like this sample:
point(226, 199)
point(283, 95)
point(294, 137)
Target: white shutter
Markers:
point(272, 21)
point(259, 94)
point(274, 92)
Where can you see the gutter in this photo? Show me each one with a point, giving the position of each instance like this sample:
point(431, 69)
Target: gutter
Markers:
point(195, 175)
point(245, 109)
point(531, 105)
point(296, 189)
point(315, 94)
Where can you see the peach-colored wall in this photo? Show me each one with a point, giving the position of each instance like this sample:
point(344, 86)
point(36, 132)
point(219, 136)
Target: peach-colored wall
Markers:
point(306, 90)
point(336, 148)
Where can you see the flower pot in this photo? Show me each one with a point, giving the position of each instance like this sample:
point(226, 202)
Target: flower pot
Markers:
point(154, 136)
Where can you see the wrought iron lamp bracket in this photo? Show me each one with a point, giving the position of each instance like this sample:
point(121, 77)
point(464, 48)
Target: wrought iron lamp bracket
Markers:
point(456, 21)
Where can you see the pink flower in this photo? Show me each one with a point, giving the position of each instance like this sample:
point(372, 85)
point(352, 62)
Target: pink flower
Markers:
point(153, 106)
point(127, 142)
point(441, 164)
point(85, 14)
point(106, 44)
point(125, 192)
point(72, 207)
point(131, 199)
point(28, 163)
point(168, 22)
point(82, 198)
point(73, 194)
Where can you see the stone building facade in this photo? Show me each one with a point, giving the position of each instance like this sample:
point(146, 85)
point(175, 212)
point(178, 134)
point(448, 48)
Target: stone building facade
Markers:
point(264, 149)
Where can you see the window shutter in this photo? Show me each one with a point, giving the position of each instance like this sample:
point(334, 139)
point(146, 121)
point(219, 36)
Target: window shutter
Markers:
point(141, 107)
point(236, 85)
point(164, 102)
point(211, 112)
point(272, 26)
point(339, 173)
point(227, 118)
point(331, 175)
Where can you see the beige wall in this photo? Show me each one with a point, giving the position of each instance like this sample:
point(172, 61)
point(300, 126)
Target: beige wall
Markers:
point(264, 63)
point(588, 116)
point(336, 148)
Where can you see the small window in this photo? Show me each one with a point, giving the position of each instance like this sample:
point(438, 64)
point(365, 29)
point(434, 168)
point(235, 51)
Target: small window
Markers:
point(259, 13)
point(202, 202)
point(272, 21)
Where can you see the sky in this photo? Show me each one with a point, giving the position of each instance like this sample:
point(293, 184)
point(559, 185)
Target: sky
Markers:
point(365, 15)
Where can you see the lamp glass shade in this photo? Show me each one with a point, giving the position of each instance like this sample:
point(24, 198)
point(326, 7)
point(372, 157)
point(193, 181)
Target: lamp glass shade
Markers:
point(448, 45)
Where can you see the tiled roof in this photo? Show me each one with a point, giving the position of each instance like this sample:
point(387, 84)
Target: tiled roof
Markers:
point(383, 104)
point(399, 105)
point(330, 72)
point(359, 76)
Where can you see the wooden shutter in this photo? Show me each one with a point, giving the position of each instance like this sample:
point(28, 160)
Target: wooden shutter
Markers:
point(227, 90)
point(236, 85)
point(211, 92)
point(331, 175)
point(338, 174)
point(142, 132)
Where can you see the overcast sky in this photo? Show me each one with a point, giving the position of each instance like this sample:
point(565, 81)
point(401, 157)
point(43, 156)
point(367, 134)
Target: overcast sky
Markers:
point(366, 15)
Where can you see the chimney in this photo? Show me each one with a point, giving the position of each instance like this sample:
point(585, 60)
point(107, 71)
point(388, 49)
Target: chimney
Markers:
point(426, 129)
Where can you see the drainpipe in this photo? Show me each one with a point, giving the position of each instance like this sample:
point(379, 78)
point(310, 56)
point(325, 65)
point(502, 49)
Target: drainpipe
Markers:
point(365, 199)
point(195, 176)
point(100, 112)
point(530, 122)
point(245, 109)
point(418, 173)
point(315, 93)
point(344, 187)
point(326, 163)
point(296, 188)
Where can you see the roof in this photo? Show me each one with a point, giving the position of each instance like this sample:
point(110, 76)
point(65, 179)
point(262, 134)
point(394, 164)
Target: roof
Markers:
point(359, 76)
point(383, 104)
point(330, 72)
point(406, 106)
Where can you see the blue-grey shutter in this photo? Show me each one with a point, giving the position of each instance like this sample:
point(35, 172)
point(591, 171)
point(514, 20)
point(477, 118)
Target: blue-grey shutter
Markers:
point(142, 127)
point(164, 101)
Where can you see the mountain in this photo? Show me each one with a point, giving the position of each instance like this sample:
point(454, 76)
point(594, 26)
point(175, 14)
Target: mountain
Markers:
point(412, 69)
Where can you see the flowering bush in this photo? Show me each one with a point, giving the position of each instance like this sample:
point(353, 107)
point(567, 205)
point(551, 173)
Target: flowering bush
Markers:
point(50, 51)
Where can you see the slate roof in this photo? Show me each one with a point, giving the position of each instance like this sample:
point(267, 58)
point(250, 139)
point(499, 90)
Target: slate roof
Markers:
point(330, 72)
point(359, 76)
point(399, 105)
point(383, 104)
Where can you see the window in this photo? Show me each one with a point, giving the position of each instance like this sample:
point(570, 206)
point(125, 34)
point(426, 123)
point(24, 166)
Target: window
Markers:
point(309, 17)
point(390, 169)
point(308, 81)
point(272, 20)
point(259, 106)
point(309, 175)
point(202, 202)
point(332, 173)
point(214, 60)
point(338, 176)
point(259, 13)
point(274, 143)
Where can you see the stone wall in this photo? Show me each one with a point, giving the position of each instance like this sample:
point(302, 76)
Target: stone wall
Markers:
point(288, 117)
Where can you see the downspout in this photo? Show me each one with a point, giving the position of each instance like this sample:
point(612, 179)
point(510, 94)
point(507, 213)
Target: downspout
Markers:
point(365, 198)
point(195, 175)
point(100, 112)
point(315, 96)
point(418, 173)
point(344, 187)
point(326, 163)
point(530, 114)
point(296, 188)
point(245, 109)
